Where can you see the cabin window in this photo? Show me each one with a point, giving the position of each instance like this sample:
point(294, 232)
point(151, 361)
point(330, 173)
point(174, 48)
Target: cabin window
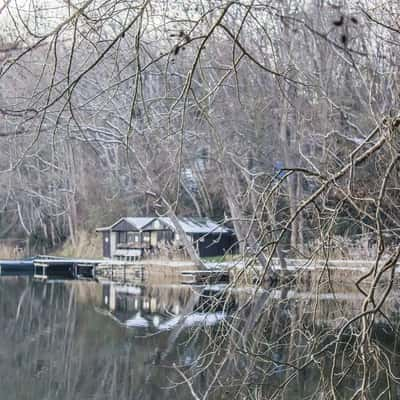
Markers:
point(146, 236)
point(133, 237)
point(165, 236)
point(122, 237)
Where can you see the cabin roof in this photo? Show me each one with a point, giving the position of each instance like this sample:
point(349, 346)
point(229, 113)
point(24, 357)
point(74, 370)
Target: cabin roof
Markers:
point(190, 225)
point(103, 228)
point(197, 225)
point(137, 223)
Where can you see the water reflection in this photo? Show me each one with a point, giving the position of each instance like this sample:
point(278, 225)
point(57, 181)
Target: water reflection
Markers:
point(160, 308)
point(85, 340)
point(55, 345)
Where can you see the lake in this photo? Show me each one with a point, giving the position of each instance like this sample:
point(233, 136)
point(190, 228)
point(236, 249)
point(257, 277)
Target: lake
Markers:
point(89, 340)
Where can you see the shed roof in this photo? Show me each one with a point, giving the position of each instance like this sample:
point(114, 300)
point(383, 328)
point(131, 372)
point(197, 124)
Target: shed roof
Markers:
point(104, 228)
point(197, 225)
point(137, 223)
point(190, 225)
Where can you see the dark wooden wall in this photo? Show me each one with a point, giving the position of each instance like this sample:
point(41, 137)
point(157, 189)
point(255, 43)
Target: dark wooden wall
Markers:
point(215, 244)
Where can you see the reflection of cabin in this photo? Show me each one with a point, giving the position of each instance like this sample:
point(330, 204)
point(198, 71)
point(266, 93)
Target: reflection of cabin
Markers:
point(164, 308)
point(130, 238)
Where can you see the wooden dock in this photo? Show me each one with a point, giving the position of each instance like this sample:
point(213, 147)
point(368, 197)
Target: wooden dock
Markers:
point(64, 269)
point(120, 271)
point(160, 271)
point(202, 277)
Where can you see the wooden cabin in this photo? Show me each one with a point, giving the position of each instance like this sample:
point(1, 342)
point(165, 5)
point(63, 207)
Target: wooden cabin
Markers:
point(130, 238)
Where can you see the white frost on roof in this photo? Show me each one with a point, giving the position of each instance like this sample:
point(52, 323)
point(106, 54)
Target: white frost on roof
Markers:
point(104, 228)
point(189, 225)
point(197, 225)
point(139, 222)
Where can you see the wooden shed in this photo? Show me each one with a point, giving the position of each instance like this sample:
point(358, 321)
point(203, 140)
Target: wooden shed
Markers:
point(132, 237)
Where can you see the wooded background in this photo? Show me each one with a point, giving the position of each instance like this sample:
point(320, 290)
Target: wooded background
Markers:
point(280, 119)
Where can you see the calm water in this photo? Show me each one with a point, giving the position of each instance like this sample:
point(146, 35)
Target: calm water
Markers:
point(85, 340)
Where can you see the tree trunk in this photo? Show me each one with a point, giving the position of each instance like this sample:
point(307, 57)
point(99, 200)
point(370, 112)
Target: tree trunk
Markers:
point(182, 235)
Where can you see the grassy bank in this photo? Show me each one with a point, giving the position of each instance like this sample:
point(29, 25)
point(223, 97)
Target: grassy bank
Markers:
point(87, 246)
point(9, 252)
